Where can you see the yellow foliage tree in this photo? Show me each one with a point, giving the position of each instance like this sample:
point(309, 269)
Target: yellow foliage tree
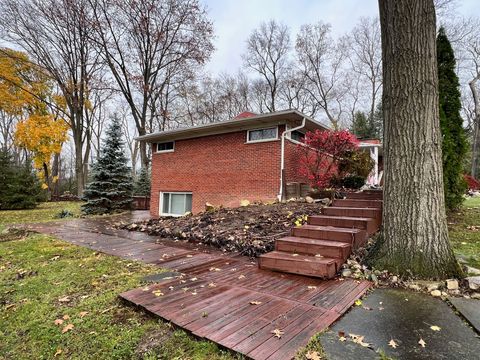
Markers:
point(43, 136)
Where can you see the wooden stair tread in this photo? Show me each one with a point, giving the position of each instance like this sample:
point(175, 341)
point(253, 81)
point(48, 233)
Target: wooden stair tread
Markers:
point(304, 240)
point(333, 217)
point(280, 255)
point(351, 208)
point(332, 228)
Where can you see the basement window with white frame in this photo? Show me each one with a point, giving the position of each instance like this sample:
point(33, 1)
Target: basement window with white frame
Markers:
point(259, 135)
point(175, 203)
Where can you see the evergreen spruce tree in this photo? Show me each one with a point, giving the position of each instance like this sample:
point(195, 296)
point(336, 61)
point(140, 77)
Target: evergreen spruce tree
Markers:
point(454, 143)
point(110, 189)
point(19, 186)
point(361, 126)
point(142, 185)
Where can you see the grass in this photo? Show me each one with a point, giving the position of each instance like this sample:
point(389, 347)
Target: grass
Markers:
point(37, 271)
point(46, 211)
point(464, 229)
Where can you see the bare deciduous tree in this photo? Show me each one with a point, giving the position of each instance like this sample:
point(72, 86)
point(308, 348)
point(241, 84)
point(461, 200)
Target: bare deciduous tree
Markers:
point(321, 61)
point(144, 43)
point(267, 54)
point(55, 34)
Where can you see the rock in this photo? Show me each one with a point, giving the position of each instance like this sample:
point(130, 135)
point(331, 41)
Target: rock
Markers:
point(309, 199)
point(475, 296)
point(430, 285)
point(436, 293)
point(473, 282)
point(374, 278)
point(346, 273)
point(415, 287)
point(244, 202)
point(209, 207)
point(472, 271)
point(394, 279)
point(452, 284)
point(454, 292)
point(325, 201)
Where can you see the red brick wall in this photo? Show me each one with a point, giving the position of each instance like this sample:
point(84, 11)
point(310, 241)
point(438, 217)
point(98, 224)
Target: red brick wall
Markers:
point(219, 169)
point(292, 163)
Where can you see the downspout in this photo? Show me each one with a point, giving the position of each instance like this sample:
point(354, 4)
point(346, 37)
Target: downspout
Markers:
point(282, 156)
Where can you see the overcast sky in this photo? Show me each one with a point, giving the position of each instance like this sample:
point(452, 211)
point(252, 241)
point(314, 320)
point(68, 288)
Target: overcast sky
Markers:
point(233, 21)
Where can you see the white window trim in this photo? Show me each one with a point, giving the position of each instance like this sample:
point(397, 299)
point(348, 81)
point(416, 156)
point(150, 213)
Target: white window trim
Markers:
point(160, 209)
point(289, 135)
point(262, 140)
point(164, 151)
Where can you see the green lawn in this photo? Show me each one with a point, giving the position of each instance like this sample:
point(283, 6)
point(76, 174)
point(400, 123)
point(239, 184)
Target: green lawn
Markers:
point(43, 279)
point(46, 211)
point(464, 227)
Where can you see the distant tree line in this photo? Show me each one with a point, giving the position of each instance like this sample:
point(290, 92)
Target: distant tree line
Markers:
point(143, 63)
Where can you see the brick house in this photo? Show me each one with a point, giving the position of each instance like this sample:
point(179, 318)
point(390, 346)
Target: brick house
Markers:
point(251, 157)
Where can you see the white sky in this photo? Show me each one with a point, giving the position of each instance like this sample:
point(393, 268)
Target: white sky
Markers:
point(234, 20)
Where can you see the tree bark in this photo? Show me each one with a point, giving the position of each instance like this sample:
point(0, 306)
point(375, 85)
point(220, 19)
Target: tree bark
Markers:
point(415, 235)
point(476, 126)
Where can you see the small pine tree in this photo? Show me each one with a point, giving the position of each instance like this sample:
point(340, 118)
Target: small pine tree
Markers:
point(111, 187)
point(377, 121)
point(19, 186)
point(142, 185)
point(454, 144)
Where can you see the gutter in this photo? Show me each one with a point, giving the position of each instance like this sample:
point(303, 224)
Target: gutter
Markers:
point(282, 156)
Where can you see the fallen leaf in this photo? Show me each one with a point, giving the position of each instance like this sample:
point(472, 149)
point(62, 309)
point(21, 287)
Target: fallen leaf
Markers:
point(212, 285)
point(358, 302)
point(58, 352)
point(83, 313)
point(358, 339)
point(214, 269)
point(393, 344)
point(294, 254)
point(189, 256)
point(64, 299)
point(157, 293)
point(67, 328)
point(435, 328)
point(313, 355)
point(277, 333)
point(255, 302)
point(194, 292)
point(9, 306)
point(241, 277)
point(422, 343)
point(58, 321)
point(311, 287)
point(193, 279)
point(66, 317)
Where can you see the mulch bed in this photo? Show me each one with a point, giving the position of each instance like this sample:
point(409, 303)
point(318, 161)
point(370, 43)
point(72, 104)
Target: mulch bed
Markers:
point(250, 230)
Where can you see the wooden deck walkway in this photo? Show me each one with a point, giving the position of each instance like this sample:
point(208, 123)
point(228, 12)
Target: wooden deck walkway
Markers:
point(220, 297)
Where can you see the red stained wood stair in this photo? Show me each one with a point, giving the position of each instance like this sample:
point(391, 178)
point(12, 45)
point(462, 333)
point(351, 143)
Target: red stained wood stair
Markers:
point(320, 247)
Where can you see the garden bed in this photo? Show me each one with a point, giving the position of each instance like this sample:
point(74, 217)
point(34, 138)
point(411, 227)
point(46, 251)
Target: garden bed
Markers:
point(250, 230)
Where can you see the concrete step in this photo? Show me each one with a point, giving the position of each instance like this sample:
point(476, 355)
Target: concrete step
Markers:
point(299, 264)
point(348, 235)
point(309, 246)
point(365, 196)
point(358, 203)
point(368, 224)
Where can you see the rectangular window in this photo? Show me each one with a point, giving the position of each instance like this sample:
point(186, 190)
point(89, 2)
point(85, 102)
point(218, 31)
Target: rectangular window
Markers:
point(262, 134)
point(175, 203)
point(165, 147)
point(297, 136)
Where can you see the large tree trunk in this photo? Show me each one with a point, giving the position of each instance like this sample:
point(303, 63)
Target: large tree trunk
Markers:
point(476, 126)
point(415, 235)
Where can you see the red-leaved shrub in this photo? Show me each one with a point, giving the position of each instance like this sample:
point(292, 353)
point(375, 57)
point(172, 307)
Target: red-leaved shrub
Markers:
point(472, 183)
point(319, 158)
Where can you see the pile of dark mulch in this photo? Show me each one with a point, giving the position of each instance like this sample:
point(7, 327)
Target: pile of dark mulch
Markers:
point(250, 230)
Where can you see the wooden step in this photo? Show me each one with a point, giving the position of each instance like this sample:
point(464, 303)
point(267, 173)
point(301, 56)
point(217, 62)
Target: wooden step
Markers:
point(365, 196)
point(308, 246)
point(368, 224)
point(348, 235)
point(354, 212)
point(299, 264)
point(358, 203)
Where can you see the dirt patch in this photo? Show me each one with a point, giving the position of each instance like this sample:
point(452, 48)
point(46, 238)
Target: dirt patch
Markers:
point(11, 234)
point(250, 230)
point(153, 340)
